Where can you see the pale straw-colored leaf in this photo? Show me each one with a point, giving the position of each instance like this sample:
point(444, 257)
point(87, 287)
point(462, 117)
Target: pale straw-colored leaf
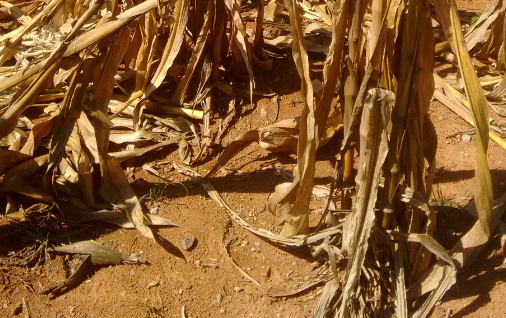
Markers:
point(172, 47)
point(479, 109)
point(290, 203)
point(373, 151)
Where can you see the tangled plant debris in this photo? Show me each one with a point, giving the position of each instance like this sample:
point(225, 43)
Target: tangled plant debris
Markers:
point(87, 86)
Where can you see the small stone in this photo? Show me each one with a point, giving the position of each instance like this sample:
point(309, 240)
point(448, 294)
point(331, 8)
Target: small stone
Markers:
point(180, 291)
point(253, 249)
point(263, 113)
point(219, 298)
point(122, 293)
point(238, 289)
point(16, 309)
point(132, 273)
point(88, 281)
point(141, 252)
point(188, 242)
point(153, 284)
point(466, 138)
point(244, 243)
point(198, 262)
point(441, 118)
point(317, 85)
point(154, 210)
point(222, 311)
point(294, 263)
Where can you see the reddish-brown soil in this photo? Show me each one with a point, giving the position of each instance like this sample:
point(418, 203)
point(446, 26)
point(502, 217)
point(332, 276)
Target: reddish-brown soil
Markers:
point(203, 281)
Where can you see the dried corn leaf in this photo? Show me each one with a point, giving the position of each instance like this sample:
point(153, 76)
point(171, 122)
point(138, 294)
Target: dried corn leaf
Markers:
point(14, 11)
point(180, 124)
point(454, 103)
point(332, 67)
point(401, 304)
point(286, 42)
point(328, 293)
point(449, 278)
point(172, 110)
point(10, 118)
point(499, 92)
point(71, 110)
point(293, 287)
point(38, 132)
point(172, 47)
point(100, 254)
point(479, 109)
point(241, 40)
point(373, 151)
point(477, 31)
point(103, 94)
point(15, 180)
point(414, 198)
point(122, 220)
point(272, 11)
point(103, 31)
point(178, 98)
point(427, 241)
point(116, 190)
point(461, 254)
point(43, 79)
point(279, 137)
point(129, 154)
point(134, 137)
point(77, 277)
point(10, 42)
point(234, 216)
point(10, 158)
point(290, 203)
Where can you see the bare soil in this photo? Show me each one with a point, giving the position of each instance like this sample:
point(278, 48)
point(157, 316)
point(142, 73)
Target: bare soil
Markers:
point(202, 280)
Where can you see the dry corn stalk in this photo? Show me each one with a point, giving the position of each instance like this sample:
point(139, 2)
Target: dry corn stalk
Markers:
point(108, 66)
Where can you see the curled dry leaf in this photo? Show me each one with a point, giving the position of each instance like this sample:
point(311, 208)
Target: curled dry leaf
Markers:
point(116, 190)
point(462, 253)
point(73, 280)
point(100, 254)
point(279, 137)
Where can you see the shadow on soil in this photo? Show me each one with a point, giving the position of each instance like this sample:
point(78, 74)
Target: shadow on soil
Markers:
point(498, 178)
point(479, 280)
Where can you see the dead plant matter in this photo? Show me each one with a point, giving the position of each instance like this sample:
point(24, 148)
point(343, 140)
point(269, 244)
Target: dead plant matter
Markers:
point(85, 85)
